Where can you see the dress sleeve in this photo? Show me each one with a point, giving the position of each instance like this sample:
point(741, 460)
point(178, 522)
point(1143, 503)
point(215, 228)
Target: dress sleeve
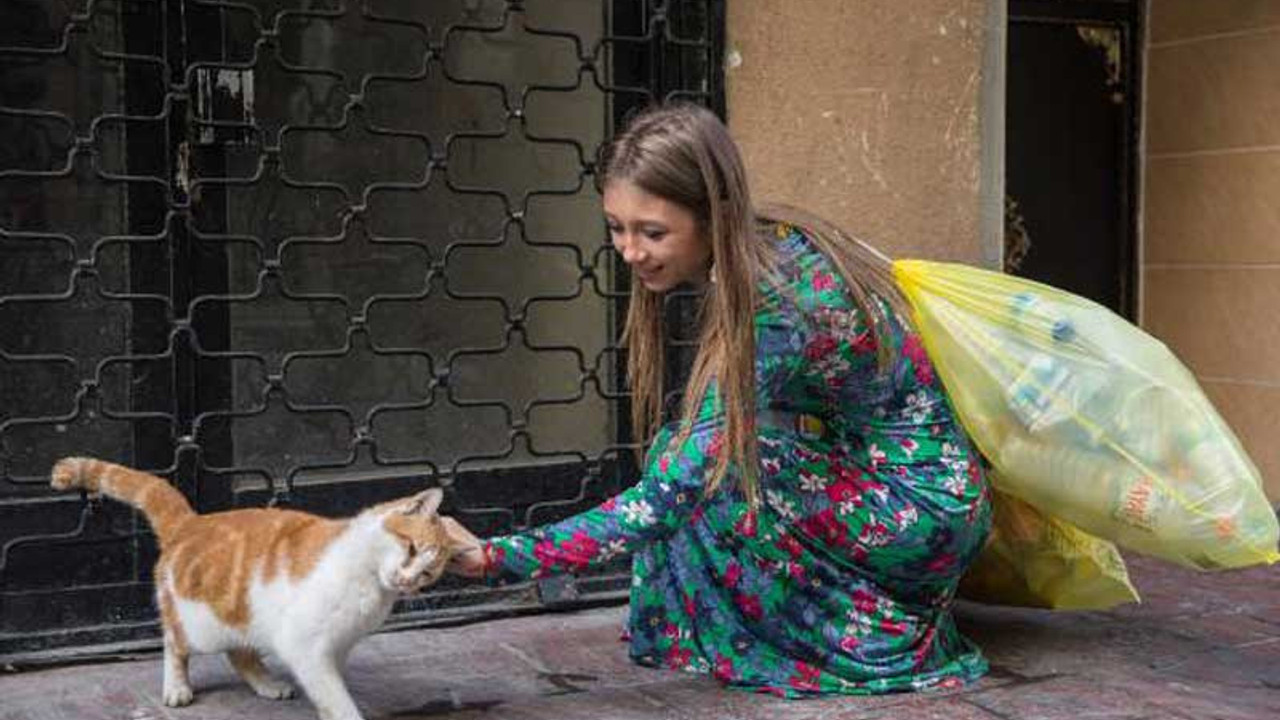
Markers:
point(669, 491)
point(839, 360)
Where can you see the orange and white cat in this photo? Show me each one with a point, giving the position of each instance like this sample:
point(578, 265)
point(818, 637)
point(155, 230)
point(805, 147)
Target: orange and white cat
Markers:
point(301, 587)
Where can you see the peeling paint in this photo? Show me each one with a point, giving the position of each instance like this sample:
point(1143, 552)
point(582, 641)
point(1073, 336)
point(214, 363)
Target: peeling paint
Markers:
point(872, 161)
point(1108, 40)
point(182, 168)
point(237, 84)
point(224, 95)
point(867, 136)
point(204, 105)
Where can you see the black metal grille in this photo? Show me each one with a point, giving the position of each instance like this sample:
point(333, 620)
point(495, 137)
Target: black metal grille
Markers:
point(311, 253)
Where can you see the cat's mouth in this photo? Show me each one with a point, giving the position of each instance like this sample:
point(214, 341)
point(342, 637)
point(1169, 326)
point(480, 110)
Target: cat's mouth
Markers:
point(409, 585)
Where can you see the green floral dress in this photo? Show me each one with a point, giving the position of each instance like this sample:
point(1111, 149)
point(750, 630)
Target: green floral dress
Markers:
point(873, 504)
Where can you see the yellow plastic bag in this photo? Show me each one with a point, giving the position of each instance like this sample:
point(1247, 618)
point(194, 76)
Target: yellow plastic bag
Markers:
point(1036, 560)
point(1088, 418)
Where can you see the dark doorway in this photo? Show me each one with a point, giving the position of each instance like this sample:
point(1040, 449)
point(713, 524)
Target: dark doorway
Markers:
point(1071, 147)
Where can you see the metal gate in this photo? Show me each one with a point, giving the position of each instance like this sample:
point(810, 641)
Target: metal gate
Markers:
point(314, 253)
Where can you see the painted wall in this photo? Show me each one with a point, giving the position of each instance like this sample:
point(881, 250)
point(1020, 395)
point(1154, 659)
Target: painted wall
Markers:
point(1211, 245)
point(883, 116)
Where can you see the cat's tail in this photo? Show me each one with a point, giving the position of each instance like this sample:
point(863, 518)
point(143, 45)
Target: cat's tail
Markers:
point(163, 505)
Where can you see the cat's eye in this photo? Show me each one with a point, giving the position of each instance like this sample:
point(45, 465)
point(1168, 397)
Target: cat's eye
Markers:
point(413, 550)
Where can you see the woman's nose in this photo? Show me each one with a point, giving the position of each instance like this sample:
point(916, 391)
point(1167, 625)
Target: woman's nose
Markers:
point(630, 250)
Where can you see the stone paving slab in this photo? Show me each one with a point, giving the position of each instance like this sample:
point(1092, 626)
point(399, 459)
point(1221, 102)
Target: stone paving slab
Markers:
point(1201, 647)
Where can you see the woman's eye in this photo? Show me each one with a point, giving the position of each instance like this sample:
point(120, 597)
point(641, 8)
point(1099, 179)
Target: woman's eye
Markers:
point(655, 234)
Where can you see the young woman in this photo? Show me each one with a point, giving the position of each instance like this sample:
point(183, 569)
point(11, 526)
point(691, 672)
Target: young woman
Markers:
point(802, 528)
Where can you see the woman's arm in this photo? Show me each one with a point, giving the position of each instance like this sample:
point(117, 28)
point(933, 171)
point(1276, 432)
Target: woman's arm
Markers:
point(669, 491)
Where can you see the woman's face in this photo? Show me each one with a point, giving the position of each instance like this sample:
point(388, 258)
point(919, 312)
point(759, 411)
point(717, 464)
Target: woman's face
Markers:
point(659, 239)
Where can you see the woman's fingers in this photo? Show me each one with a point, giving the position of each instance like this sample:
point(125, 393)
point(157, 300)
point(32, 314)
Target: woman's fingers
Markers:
point(468, 556)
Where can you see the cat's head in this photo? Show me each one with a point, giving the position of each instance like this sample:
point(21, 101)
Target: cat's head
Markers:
point(422, 545)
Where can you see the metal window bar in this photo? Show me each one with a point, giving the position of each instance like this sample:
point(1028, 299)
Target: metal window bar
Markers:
point(317, 254)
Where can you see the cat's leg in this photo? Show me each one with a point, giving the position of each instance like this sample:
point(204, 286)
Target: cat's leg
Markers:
point(177, 685)
point(320, 680)
point(250, 668)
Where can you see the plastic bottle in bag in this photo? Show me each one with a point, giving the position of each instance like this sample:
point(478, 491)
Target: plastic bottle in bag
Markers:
point(1044, 390)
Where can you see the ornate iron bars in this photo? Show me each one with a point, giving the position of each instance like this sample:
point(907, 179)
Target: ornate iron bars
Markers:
point(313, 253)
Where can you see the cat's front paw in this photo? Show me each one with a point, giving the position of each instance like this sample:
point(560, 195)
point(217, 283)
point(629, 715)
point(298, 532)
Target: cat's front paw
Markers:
point(180, 696)
point(276, 690)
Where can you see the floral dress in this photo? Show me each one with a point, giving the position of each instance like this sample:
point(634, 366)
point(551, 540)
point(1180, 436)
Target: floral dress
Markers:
point(873, 503)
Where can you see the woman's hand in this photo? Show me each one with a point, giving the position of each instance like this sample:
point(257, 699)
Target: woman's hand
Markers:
point(468, 557)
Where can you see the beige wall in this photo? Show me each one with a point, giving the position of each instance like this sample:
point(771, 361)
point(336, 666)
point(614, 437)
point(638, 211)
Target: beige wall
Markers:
point(870, 113)
point(1211, 241)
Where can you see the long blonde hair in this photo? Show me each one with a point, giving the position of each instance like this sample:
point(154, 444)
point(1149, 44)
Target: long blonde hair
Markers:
point(683, 153)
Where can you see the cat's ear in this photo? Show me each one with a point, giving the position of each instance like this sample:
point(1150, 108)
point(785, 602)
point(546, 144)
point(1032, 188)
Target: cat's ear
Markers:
point(424, 503)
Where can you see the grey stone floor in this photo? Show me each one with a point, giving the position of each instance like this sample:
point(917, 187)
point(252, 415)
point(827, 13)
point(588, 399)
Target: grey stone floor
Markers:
point(1201, 646)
